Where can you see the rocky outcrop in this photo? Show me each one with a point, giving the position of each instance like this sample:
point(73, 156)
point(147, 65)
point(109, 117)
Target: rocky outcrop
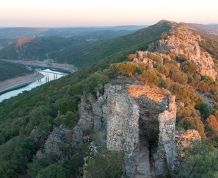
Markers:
point(137, 120)
point(184, 41)
point(122, 115)
point(185, 140)
point(63, 141)
point(59, 140)
point(140, 122)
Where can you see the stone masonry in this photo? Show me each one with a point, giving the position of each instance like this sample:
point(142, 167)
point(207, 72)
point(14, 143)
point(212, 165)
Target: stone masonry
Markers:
point(140, 122)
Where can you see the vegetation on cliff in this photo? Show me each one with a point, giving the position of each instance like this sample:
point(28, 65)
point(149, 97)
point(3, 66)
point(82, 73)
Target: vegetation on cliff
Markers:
point(27, 120)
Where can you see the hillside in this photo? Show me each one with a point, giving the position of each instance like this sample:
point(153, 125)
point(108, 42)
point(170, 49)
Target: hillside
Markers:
point(5, 42)
point(38, 48)
point(210, 28)
point(19, 32)
point(121, 116)
point(80, 52)
point(92, 53)
point(39, 43)
point(9, 70)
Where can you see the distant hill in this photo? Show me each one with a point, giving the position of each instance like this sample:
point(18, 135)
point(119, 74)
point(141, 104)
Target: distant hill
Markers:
point(84, 52)
point(39, 47)
point(14, 33)
point(5, 42)
point(8, 36)
point(9, 70)
point(209, 33)
point(121, 46)
point(210, 28)
point(40, 135)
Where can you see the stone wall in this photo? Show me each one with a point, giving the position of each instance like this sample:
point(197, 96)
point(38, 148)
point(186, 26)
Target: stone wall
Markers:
point(142, 129)
point(122, 115)
point(135, 119)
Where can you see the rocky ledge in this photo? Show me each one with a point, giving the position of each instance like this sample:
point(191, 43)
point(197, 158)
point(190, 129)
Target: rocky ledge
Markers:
point(139, 124)
point(185, 41)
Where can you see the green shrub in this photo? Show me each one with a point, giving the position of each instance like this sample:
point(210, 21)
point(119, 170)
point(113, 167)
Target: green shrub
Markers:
point(17, 153)
point(91, 83)
point(190, 67)
point(68, 119)
point(185, 94)
point(138, 70)
point(180, 59)
point(163, 70)
point(205, 110)
point(125, 68)
point(178, 76)
point(39, 164)
point(50, 167)
point(200, 162)
point(188, 118)
point(105, 164)
point(150, 76)
point(53, 171)
point(131, 57)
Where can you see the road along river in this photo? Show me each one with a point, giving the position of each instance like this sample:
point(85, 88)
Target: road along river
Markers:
point(47, 75)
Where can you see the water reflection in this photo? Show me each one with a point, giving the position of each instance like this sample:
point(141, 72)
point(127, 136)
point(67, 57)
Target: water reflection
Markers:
point(48, 74)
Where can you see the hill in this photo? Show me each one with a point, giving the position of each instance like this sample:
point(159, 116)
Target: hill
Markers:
point(82, 53)
point(38, 48)
point(210, 28)
point(9, 70)
point(63, 128)
point(95, 52)
point(15, 33)
point(45, 41)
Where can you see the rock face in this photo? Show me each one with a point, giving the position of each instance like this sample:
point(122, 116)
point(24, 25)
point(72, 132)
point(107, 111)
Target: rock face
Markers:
point(122, 115)
point(185, 140)
point(137, 120)
point(140, 122)
point(184, 41)
point(60, 137)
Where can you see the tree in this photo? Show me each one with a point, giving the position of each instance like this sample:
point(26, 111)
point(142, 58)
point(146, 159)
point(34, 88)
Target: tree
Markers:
point(205, 110)
point(200, 162)
point(105, 164)
point(53, 171)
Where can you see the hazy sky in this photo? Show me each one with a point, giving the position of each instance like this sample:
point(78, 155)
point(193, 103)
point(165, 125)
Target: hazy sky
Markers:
point(104, 12)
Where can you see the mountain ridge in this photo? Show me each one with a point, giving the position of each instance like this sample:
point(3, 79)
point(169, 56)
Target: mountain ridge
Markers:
point(61, 129)
point(75, 54)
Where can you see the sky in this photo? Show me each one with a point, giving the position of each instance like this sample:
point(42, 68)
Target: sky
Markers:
point(62, 13)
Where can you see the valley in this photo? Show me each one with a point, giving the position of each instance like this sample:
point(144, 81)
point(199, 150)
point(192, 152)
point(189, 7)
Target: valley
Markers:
point(143, 104)
point(10, 70)
point(13, 87)
point(18, 82)
point(69, 68)
point(36, 75)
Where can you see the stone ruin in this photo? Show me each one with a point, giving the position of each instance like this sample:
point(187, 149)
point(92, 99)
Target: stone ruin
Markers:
point(137, 120)
point(140, 121)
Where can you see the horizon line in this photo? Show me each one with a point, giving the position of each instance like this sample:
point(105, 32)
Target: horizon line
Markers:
point(98, 26)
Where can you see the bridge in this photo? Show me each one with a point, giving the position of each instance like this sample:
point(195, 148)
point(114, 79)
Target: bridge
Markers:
point(52, 72)
point(46, 73)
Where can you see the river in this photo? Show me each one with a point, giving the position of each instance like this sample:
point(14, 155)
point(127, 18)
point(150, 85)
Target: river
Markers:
point(48, 75)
